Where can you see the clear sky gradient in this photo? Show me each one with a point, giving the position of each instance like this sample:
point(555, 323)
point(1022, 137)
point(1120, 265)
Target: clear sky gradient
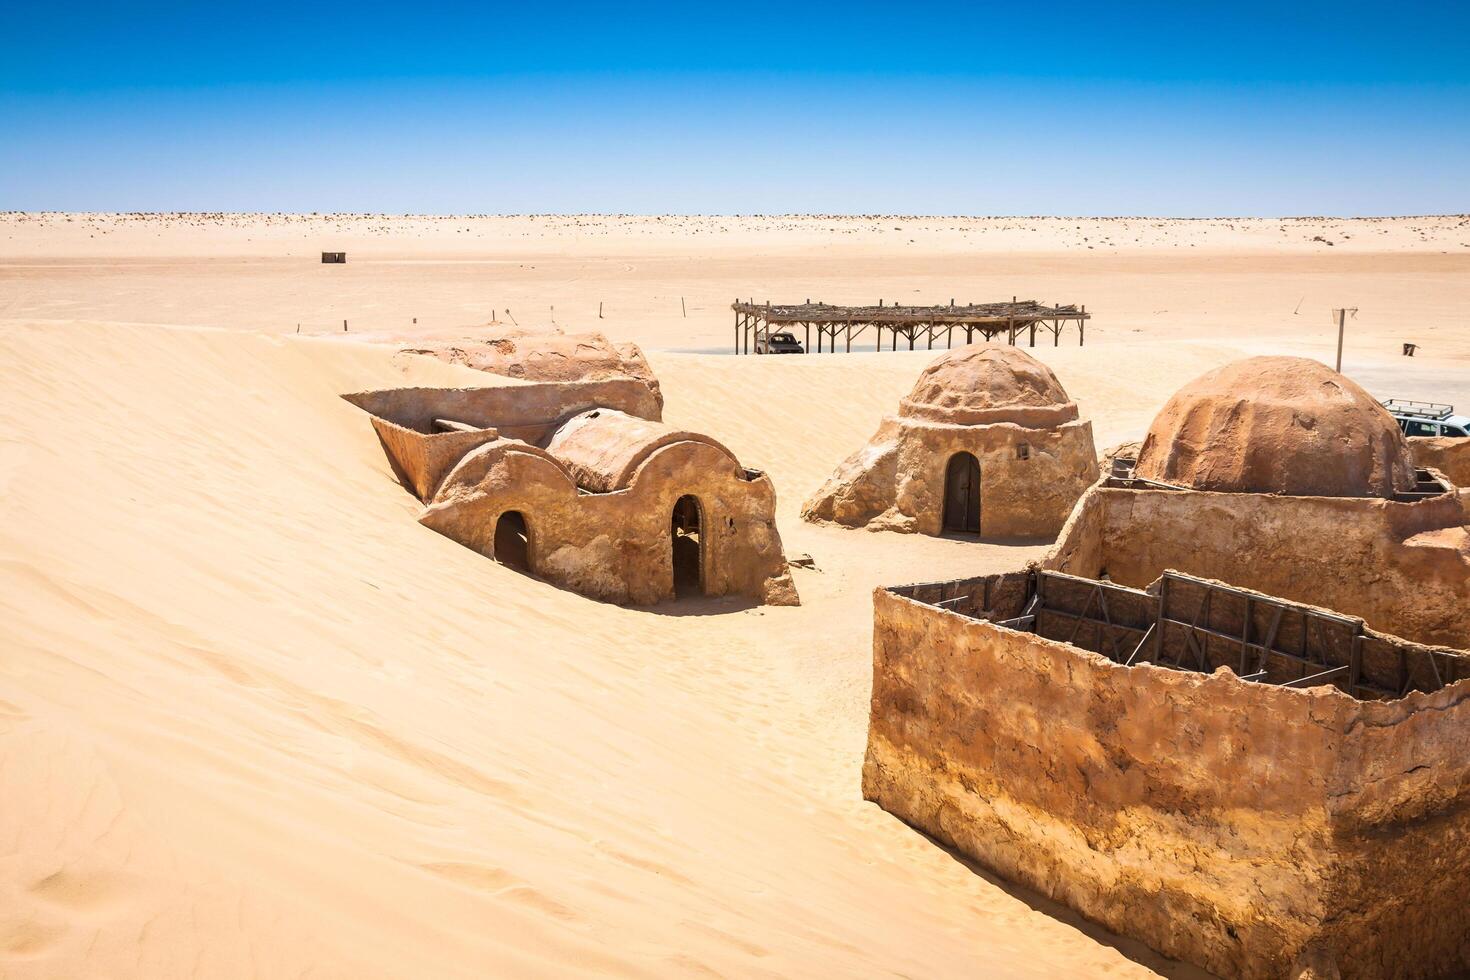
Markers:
point(1247, 108)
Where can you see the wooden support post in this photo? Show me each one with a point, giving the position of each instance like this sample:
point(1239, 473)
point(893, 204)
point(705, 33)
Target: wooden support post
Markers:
point(807, 348)
point(1011, 327)
point(1082, 328)
point(1033, 333)
point(847, 331)
point(1355, 663)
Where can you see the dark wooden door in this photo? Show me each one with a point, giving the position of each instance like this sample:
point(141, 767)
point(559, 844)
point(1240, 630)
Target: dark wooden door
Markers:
point(962, 494)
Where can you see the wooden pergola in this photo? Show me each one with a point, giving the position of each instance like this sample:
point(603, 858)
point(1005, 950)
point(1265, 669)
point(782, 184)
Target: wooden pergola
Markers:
point(756, 322)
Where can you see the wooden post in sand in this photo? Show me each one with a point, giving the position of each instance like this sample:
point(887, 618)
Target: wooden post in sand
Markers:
point(1341, 329)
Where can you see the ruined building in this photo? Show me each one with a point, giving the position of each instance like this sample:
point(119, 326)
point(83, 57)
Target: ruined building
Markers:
point(581, 484)
point(1226, 715)
point(987, 443)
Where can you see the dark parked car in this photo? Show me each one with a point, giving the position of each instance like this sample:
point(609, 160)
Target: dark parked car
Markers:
point(778, 343)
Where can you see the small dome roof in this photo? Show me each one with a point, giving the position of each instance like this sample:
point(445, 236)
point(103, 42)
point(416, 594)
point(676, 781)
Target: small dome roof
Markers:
point(1283, 425)
point(987, 383)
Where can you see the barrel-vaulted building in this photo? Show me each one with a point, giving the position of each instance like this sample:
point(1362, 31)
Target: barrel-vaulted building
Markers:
point(581, 484)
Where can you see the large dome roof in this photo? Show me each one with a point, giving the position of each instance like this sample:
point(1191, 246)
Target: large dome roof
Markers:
point(985, 383)
point(1284, 425)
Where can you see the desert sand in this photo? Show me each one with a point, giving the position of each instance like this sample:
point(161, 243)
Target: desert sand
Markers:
point(257, 721)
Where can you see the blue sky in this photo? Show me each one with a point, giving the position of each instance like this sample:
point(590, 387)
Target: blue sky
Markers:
point(1048, 108)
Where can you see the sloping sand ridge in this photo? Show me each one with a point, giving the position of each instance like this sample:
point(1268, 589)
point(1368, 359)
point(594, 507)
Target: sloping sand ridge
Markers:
point(256, 721)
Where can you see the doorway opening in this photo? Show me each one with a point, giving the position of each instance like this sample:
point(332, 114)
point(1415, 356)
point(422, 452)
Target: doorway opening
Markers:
point(685, 530)
point(513, 541)
point(962, 494)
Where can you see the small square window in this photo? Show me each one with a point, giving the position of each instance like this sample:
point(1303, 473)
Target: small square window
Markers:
point(1023, 451)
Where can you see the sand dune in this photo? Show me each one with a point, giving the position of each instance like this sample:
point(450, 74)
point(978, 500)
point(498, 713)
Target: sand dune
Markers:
point(256, 721)
point(259, 722)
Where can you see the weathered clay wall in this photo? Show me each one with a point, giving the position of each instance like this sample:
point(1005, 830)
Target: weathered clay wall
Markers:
point(1400, 804)
point(999, 596)
point(897, 482)
point(1450, 455)
point(617, 546)
point(861, 489)
point(1234, 825)
point(1060, 770)
point(522, 411)
point(420, 456)
point(1402, 567)
point(419, 460)
point(533, 356)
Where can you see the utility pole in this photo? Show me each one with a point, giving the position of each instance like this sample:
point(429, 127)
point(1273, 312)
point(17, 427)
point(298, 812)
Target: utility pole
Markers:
point(1341, 328)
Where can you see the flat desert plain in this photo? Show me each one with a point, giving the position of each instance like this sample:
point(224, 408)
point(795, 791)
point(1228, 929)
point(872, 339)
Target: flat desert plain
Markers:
point(257, 722)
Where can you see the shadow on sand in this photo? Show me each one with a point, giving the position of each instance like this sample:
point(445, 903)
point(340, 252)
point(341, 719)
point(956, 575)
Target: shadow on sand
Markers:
point(701, 606)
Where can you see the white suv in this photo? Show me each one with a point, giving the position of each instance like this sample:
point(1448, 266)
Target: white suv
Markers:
point(1427, 418)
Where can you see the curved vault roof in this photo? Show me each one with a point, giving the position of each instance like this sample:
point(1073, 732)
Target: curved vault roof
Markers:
point(1282, 425)
point(603, 447)
point(985, 383)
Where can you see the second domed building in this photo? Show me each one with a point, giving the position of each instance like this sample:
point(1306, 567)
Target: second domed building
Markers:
point(986, 443)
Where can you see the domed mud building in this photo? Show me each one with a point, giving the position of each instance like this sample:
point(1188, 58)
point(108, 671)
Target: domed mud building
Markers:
point(1281, 475)
point(1226, 714)
point(581, 484)
point(987, 443)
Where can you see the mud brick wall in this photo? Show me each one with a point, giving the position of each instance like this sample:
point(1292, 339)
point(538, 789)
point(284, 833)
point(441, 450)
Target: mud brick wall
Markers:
point(1243, 827)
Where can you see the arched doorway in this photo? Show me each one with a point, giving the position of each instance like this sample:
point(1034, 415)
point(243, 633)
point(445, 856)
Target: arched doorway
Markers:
point(513, 541)
point(962, 494)
point(685, 530)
